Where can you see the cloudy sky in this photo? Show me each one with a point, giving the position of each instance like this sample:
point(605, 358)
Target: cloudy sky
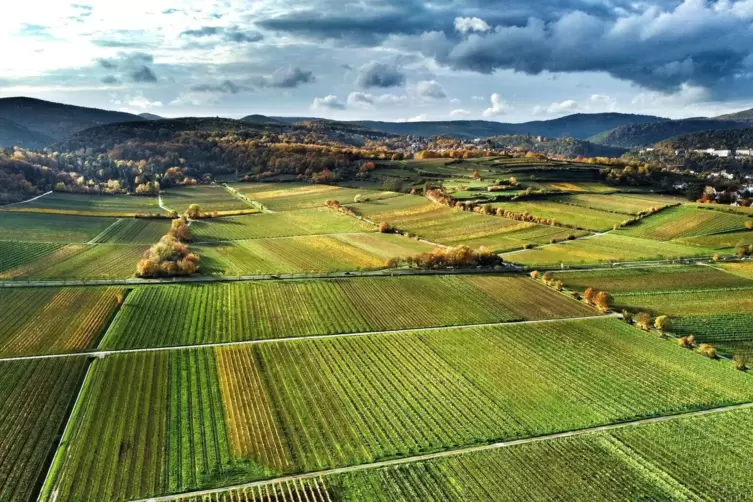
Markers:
point(506, 60)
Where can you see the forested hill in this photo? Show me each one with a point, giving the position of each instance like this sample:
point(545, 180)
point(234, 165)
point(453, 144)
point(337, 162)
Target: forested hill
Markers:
point(55, 120)
point(567, 147)
point(719, 139)
point(739, 116)
point(638, 135)
point(12, 133)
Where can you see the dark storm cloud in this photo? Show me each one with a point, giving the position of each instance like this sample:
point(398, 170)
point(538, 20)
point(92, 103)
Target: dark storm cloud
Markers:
point(143, 74)
point(131, 65)
point(290, 77)
point(232, 34)
point(225, 87)
point(657, 44)
point(375, 74)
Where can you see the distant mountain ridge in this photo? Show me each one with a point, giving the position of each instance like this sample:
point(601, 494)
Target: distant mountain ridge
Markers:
point(579, 126)
point(12, 134)
point(51, 120)
point(730, 139)
point(639, 135)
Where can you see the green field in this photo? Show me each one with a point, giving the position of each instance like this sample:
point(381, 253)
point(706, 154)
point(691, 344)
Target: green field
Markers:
point(670, 278)
point(209, 197)
point(690, 302)
point(109, 205)
point(35, 399)
point(326, 403)
point(134, 231)
point(18, 254)
point(731, 334)
point(159, 316)
point(311, 254)
point(436, 223)
point(618, 203)
point(573, 216)
point(686, 221)
point(604, 249)
point(726, 241)
point(30, 227)
point(54, 320)
point(285, 224)
point(289, 196)
point(742, 269)
point(664, 461)
point(82, 262)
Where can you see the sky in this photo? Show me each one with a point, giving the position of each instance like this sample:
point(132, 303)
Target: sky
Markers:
point(407, 60)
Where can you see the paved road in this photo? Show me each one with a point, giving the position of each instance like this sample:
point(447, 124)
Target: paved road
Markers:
point(105, 353)
point(454, 452)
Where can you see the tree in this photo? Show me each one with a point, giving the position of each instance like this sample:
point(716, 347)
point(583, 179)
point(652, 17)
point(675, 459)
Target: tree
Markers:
point(741, 361)
point(193, 212)
point(386, 228)
point(663, 324)
point(590, 296)
point(120, 298)
point(643, 320)
point(687, 341)
point(749, 224)
point(627, 316)
point(547, 277)
point(476, 175)
point(708, 351)
point(535, 275)
point(604, 301)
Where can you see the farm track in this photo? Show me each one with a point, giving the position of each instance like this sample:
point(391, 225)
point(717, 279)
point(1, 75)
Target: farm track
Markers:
point(258, 205)
point(27, 201)
point(104, 353)
point(452, 452)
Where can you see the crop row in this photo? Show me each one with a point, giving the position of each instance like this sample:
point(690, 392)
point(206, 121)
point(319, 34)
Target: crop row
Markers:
point(695, 302)
point(291, 196)
point(134, 231)
point(617, 203)
point(109, 204)
point(731, 334)
point(178, 315)
point(324, 403)
point(54, 320)
point(702, 458)
point(208, 197)
point(17, 254)
point(84, 261)
point(686, 221)
point(29, 227)
point(35, 397)
point(572, 216)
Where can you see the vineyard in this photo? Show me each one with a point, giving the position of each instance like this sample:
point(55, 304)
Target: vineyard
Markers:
point(422, 392)
point(603, 249)
point(313, 254)
point(92, 205)
point(625, 464)
point(54, 320)
point(694, 302)
point(629, 205)
point(17, 254)
point(209, 197)
point(29, 227)
point(35, 398)
point(725, 242)
point(290, 196)
point(81, 261)
point(286, 224)
point(744, 269)
point(134, 231)
point(180, 315)
point(565, 214)
point(731, 334)
point(670, 278)
point(686, 221)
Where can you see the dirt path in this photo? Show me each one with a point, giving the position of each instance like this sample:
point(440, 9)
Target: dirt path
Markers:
point(26, 201)
point(452, 453)
point(105, 353)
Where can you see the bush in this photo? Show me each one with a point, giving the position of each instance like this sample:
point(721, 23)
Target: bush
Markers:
point(460, 257)
point(386, 228)
point(643, 320)
point(708, 351)
point(741, 362)
point(535, 275)
point(627, 316)
point(663, 324)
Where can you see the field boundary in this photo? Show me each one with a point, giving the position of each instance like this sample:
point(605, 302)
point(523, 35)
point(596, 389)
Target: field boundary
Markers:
point(104, 353)
point(454, 452)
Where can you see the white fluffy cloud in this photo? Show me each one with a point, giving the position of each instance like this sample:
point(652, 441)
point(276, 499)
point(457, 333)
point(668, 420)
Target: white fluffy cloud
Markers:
point(327, 103)
point(499, 107)
point(430, 89)
point(470, 24)
point(364, 100)
point(460, 113)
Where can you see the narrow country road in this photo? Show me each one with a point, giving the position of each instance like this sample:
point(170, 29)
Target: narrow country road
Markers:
point(104, 353)
point(452, 453)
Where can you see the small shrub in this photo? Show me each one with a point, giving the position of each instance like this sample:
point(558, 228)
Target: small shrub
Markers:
point(708, 351)
point(535, 275)
point(528, 246)
point(627, 316)
point(643, 320)
point(741, 362)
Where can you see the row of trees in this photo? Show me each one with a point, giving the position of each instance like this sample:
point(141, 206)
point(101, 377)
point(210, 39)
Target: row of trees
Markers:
point(456, 257)
point(170, 257)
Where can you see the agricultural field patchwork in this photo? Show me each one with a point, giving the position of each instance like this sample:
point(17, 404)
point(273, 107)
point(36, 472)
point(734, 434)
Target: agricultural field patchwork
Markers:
point(725, 242)
point(301, 255)
point(731, 334)
point(690, 302)
point(623, 464)
point(35, 400)
point(54, 320)
point(134, 231)
point(573, 216)
point(158, 316)
point(209, 197)
point(742, 269)
point(18, 254)
point(326, 403)
point(617, 203)
point(92, 205)
point(31, 227)
point(613, 247)
point(686, 221)
point(290, 196)
point(283, 224)
point(82, 262)
point(669, 278)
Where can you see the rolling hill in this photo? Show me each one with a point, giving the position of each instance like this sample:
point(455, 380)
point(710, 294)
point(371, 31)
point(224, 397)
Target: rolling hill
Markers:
point(739, 116)
point(56, 120)
point(13, 134)
point(720, 139)
point(568, 147)
point(638, 135)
